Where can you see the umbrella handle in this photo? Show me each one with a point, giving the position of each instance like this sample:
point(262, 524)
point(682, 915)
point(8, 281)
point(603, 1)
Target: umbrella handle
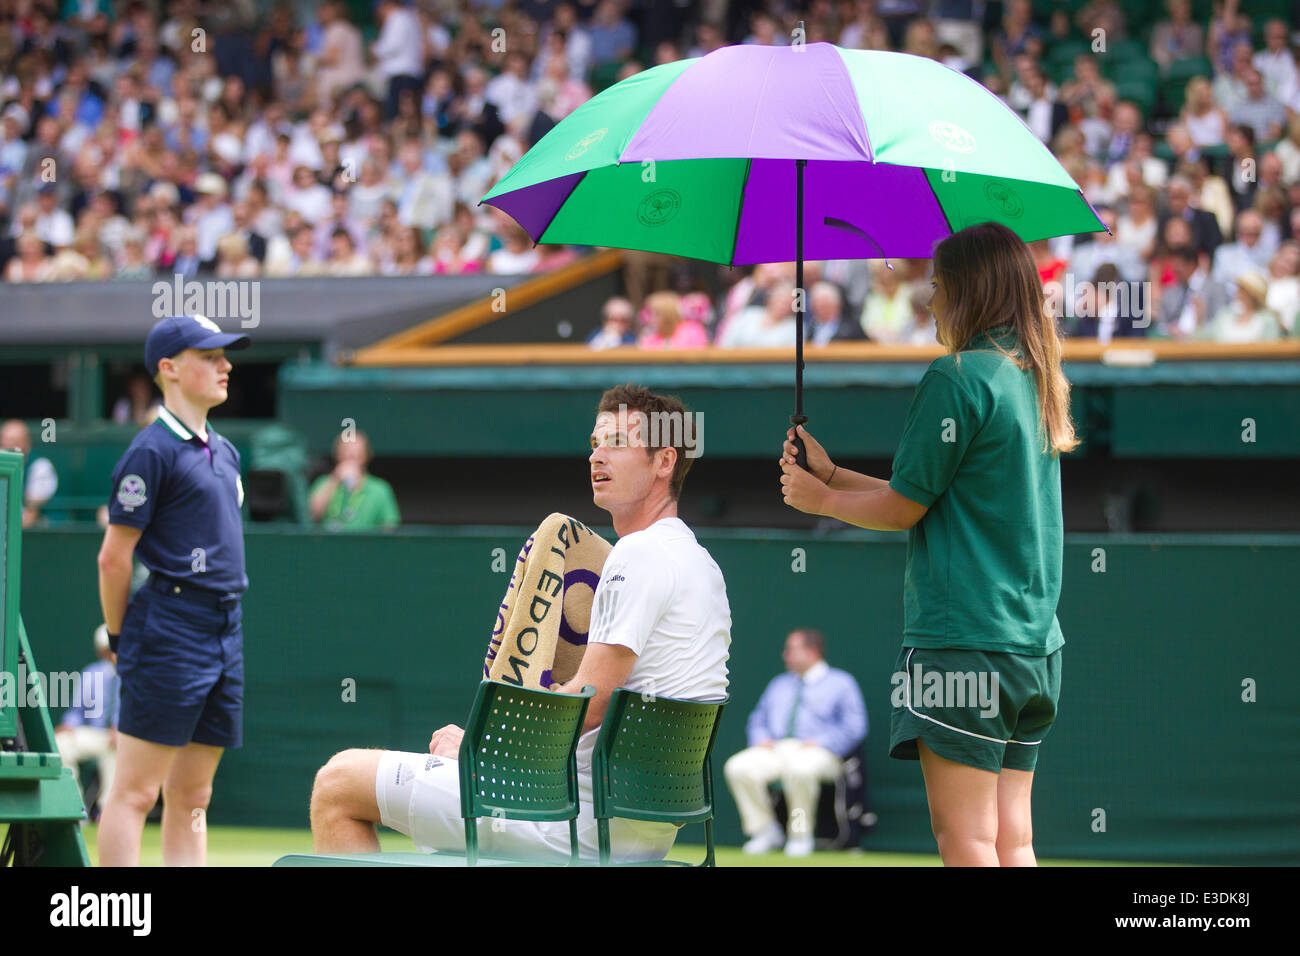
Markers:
point(800, 453)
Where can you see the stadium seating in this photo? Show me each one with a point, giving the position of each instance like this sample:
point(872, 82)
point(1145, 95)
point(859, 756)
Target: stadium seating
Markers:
point(652, 763)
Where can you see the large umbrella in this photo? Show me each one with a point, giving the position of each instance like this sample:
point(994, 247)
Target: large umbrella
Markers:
point(773, 154)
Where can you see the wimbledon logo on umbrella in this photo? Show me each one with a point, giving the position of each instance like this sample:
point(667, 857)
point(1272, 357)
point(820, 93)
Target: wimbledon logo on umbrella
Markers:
point(659, 208)
point(951, 136)
point(584, 144)
point(1004, 199)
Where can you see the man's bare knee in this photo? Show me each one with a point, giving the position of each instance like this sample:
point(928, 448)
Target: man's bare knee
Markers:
point(338, 782)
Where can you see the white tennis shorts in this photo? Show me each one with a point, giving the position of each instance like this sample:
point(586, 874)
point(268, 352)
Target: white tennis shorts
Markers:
point(419, 795)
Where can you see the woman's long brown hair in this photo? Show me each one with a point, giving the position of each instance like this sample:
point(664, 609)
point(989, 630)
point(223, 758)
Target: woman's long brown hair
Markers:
point(989, 280)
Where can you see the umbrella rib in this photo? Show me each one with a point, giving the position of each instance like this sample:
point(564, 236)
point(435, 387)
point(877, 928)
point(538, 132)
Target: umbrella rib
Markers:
point(938, 202)
point(740, 211)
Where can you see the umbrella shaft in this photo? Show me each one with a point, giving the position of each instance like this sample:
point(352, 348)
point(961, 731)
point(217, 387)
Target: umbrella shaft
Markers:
point(800, 297)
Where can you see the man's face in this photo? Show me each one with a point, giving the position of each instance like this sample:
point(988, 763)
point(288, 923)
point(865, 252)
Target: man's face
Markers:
point(14, 437)
point(202, 374)
point(797, 655)
point(1248, 230)
point(622, 473)
point(1178, 197)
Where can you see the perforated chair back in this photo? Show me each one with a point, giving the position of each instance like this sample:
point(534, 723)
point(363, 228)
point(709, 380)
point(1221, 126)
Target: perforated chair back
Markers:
point(651, 762)
point(518, 758)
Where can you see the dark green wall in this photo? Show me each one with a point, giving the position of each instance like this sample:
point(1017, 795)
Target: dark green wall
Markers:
point(1152, 728)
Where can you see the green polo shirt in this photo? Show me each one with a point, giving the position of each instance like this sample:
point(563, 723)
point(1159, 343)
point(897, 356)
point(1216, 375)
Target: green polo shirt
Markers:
point(984, 564)
point(370, 505)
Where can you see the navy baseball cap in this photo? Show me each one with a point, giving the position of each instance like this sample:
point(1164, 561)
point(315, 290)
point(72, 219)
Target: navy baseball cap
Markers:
point(175, 334)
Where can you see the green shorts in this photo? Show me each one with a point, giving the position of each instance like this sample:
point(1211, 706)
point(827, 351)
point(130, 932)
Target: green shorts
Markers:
point(980, 708)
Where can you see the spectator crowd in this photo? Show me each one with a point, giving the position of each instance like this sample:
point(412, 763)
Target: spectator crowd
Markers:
point(237, 140)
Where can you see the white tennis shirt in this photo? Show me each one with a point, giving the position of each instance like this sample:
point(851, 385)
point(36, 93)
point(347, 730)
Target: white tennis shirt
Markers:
point(662, 595)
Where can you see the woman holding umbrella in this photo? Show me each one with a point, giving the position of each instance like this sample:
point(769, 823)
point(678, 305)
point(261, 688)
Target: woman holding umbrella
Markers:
point(976, 483)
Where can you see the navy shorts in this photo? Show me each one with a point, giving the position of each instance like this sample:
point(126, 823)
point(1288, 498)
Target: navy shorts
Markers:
point(182, 671)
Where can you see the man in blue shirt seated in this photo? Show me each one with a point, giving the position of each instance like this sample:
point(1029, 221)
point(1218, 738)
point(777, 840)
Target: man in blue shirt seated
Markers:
point(807, 721)
point(88, 730)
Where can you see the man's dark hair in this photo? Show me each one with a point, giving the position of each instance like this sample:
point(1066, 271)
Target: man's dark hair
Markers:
point(813, 639)
point(639, 399)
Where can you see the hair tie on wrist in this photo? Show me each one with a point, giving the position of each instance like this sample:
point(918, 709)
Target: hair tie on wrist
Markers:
point(832, 477)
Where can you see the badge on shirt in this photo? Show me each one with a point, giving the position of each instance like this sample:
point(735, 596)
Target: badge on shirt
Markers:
point(131, 492)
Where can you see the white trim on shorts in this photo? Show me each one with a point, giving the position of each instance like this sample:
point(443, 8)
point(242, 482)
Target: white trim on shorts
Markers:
point(907, 702)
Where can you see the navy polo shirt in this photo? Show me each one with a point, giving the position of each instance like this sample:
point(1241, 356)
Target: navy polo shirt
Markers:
point(185, 496)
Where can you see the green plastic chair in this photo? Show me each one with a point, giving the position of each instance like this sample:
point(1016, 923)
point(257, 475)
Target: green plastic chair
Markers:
point(651, 762)
point(518, 759)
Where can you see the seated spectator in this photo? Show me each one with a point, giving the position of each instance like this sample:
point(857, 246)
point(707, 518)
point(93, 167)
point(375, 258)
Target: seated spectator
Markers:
point(31, 264)
point(806, 722)
point(667, 328)
point(1187, 303)
point(407, 253)
point(344, 258)
point(771, 325)
point(1284, 284)
point(560, 93)
point(1259, 110)
point(1210, 192)
point(1108, 307)
point(1247, 318)
point(923, 330)
point(1105, 247)
point(1085, 92)
point(447, 254)
point(234, 261)
point(349, 497)
point(1137, 228)
point(615, 330)
point(133, 264)
point(40, 480)
point(1178, 38)
point(1229, 28)
point(1246, 253)
point(140, 403)
point(182, 256)
point(1176, 233)
point(88, 730)
point(1104, 15)
point(1204, 226)
point(1126, 124)
point(1042, 113)
point(1203, 118)
point(517, 256)
point(887, 311)
point(1230, 84)
point(1276, 61)
point(1051, 267)
point(613, 37)
point(339, 217)
point(307, 196)
point(829, 324)
point(53, 224)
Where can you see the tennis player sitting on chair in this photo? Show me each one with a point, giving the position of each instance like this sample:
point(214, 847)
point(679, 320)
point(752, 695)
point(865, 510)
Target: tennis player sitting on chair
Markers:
point(660, 624)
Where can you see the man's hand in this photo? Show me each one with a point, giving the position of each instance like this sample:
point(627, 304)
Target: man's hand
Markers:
point(801, 491)
point(445, 741)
